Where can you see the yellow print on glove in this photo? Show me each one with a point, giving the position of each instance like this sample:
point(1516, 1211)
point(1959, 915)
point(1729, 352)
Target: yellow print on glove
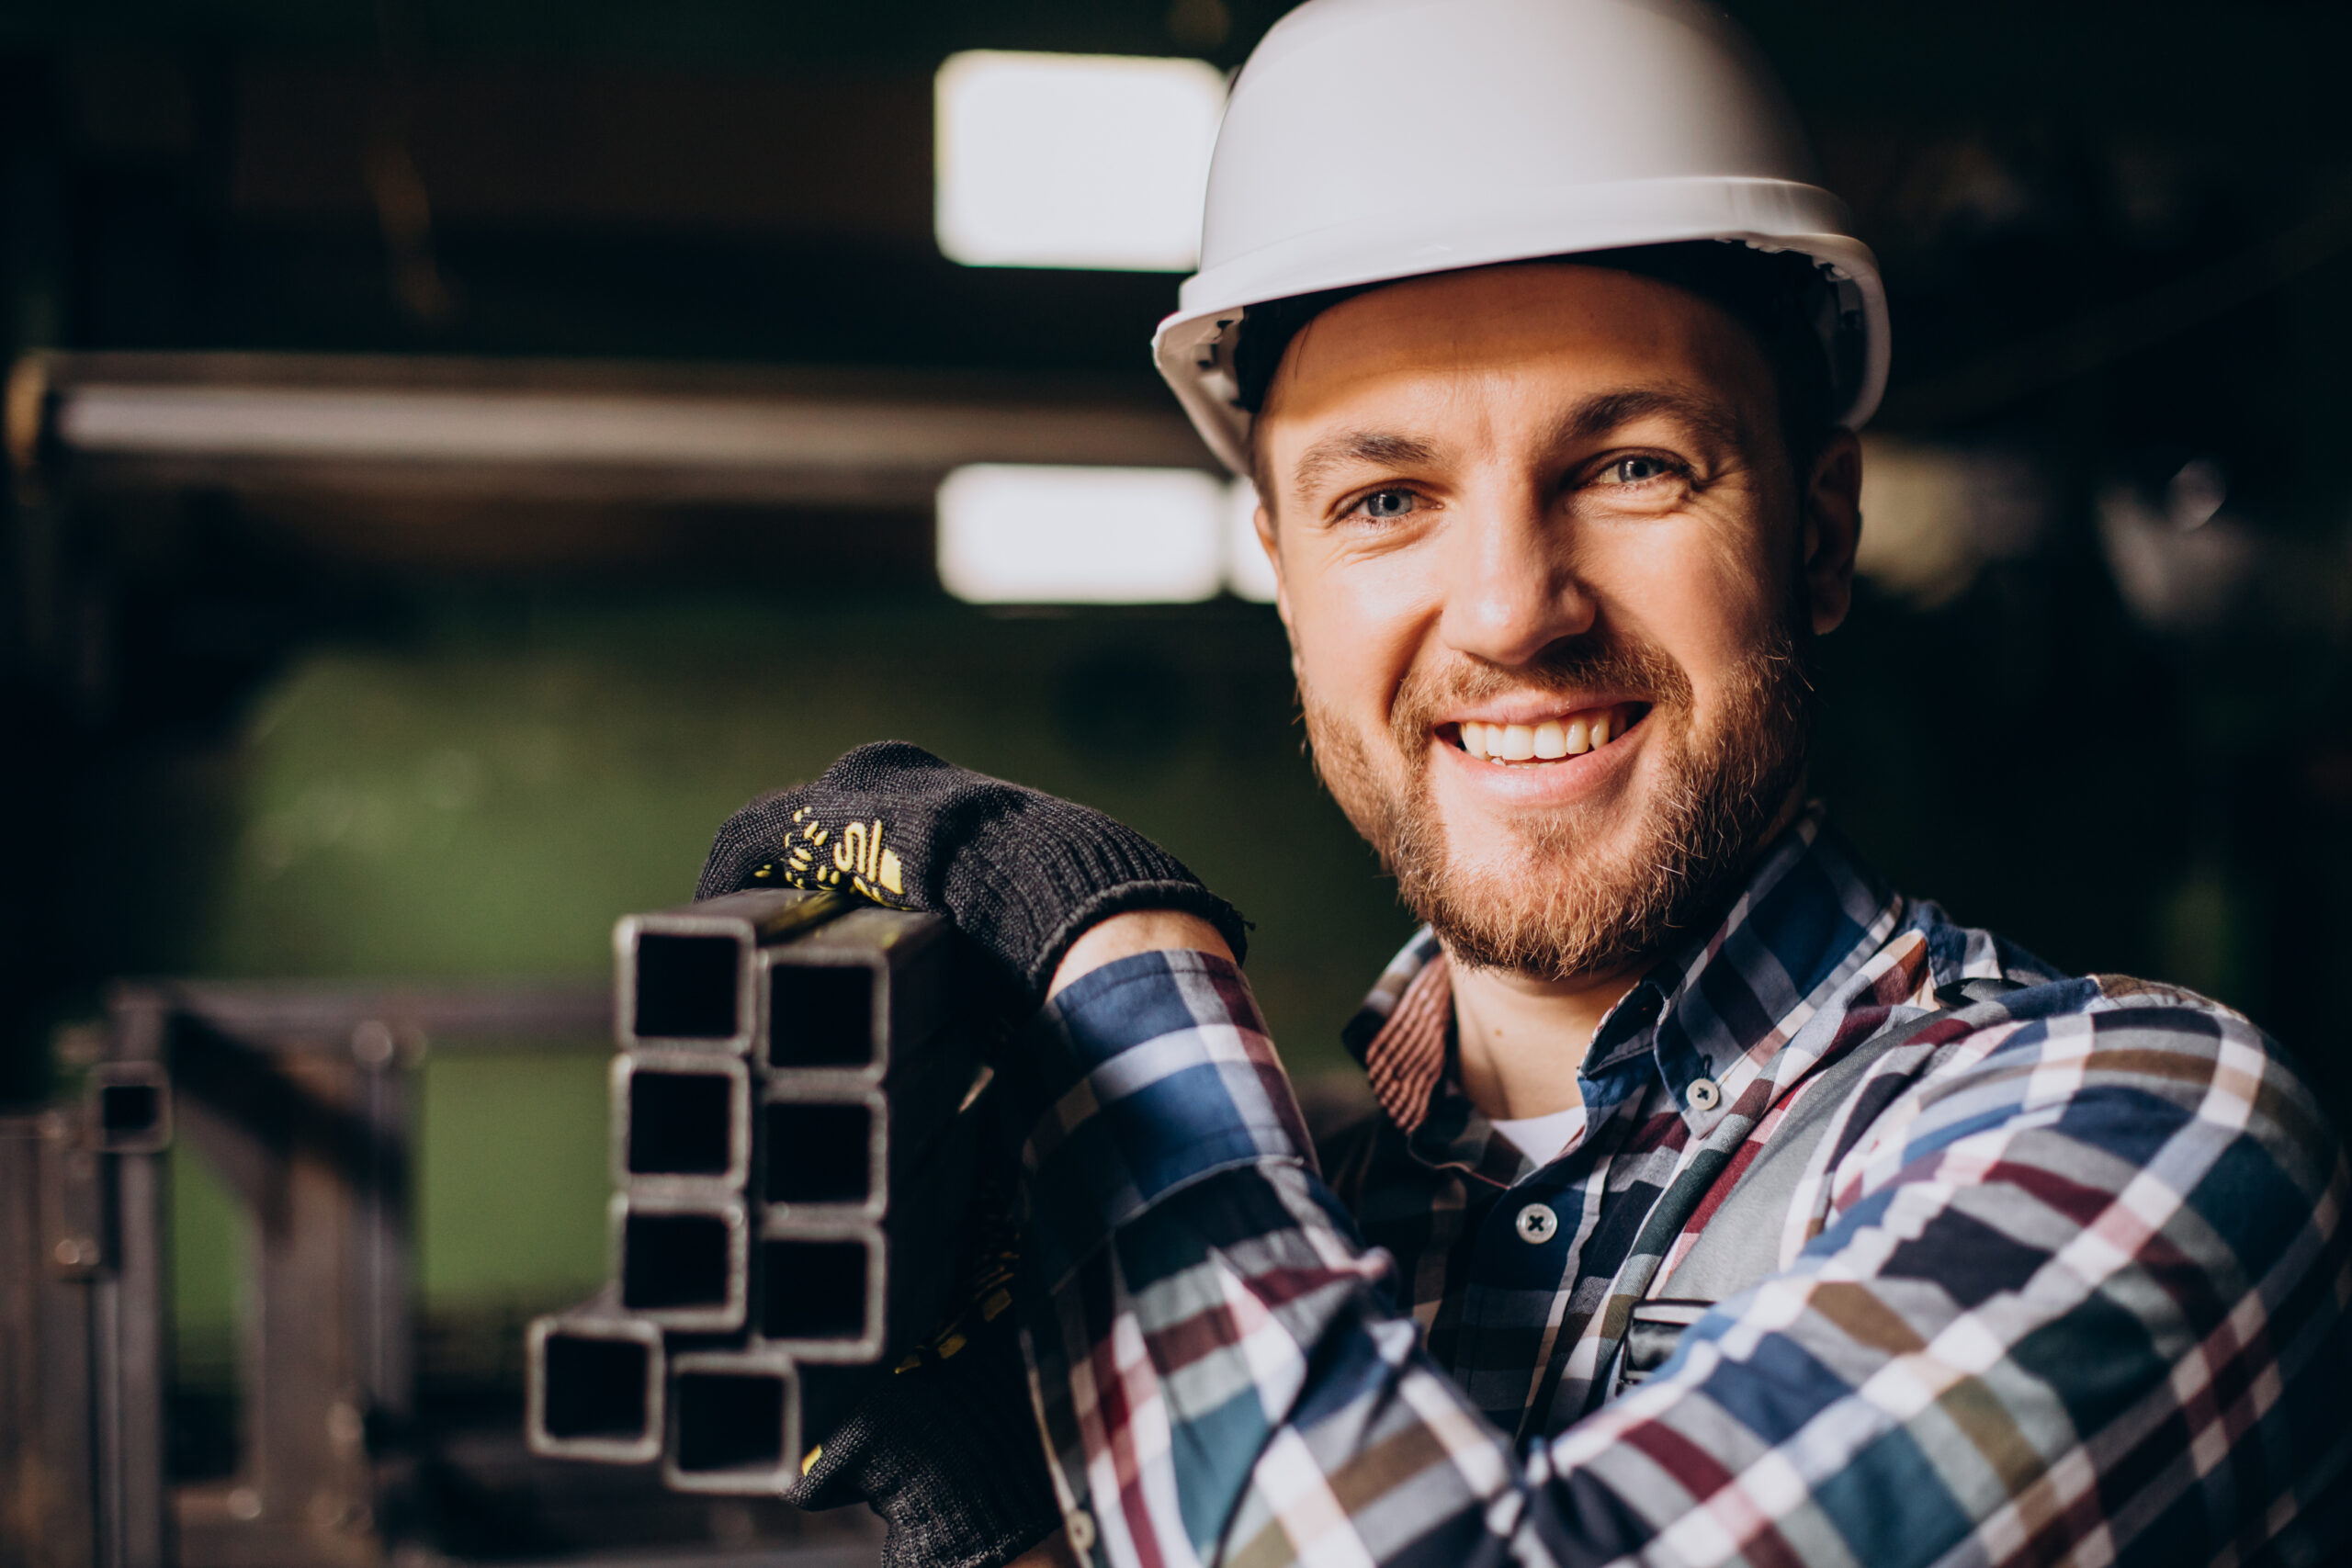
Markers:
point(867, 860)
point(857, 854)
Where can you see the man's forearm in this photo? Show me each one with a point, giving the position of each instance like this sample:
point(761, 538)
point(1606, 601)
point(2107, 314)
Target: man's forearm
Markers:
point(1136, 931)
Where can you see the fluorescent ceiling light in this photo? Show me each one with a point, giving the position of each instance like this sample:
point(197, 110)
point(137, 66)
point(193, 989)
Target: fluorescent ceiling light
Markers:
point(1093, 160)
point(1022, 534)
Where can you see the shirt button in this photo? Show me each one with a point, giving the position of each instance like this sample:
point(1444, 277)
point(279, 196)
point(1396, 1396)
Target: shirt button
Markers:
point(1081, 1526)
point(1705, 1094)
point(1536, 1223)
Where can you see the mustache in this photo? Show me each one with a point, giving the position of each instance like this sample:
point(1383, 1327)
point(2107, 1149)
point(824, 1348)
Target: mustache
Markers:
point(1622, 666)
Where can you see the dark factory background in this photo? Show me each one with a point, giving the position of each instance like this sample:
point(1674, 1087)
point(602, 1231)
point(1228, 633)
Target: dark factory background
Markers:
point(282, 718)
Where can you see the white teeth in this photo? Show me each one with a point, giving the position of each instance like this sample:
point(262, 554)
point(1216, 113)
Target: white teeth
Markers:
point(1548, 741)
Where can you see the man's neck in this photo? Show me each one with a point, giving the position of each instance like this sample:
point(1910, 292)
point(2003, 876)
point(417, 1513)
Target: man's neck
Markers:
point(1523, 1041)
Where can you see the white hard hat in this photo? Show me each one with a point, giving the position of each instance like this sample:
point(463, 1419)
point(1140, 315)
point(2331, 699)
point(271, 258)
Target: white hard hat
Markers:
point(1373, 139)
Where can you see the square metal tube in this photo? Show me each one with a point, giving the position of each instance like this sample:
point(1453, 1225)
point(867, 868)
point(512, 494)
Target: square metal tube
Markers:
point(129, 1107)
point(794, 1139)
point(682, 1122)
point(682, 1263)
point(823, 1291)
point(824, 1152)
point(595, 1387)
point(733, 1423)
point(850, 999)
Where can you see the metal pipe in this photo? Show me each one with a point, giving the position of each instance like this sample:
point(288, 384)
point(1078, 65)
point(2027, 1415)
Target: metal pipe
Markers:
point(595, 1387)
point(795, 1142)
point(651, 434)
point(824, 1151)
point(683, 1263)
point(734, 1423)
point(823, 1291)
point(853, 996)
point(128, 1108)
point(682, 1122)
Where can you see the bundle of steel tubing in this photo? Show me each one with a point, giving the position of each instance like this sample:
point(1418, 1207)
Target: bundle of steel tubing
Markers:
point(793, 1154)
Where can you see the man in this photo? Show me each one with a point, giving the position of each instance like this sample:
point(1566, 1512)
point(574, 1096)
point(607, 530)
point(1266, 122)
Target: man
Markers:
point(1725, 1205)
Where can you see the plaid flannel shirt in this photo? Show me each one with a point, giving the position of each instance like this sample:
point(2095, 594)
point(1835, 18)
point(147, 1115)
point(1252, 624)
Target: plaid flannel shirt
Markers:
point(2068, 1281)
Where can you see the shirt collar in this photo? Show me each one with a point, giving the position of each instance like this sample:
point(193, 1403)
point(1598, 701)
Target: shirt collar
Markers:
point(1718, 1005)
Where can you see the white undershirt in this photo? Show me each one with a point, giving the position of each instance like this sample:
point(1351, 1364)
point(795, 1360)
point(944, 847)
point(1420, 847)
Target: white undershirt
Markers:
point(1544, 1138)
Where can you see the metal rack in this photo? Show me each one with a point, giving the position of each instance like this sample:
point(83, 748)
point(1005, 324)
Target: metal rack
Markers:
point(296, 1094)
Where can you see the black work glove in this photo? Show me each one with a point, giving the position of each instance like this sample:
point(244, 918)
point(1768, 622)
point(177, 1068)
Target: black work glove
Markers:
point(946, 1451)
point(1021, 874)
point(946, 1446)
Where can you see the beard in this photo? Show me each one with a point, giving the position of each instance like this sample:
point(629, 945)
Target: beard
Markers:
point(1592, 886)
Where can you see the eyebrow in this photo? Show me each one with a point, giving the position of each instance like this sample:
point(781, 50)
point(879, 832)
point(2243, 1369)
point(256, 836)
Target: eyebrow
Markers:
point(1354, 446)
point(1605, 412)
point(1594, 417)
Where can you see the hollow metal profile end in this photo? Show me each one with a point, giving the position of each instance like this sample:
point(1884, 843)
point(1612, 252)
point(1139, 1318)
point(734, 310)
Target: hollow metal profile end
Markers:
point(734, 1423)
point(825, 1153)
point(682, 1263)
point(129, 1107)
point(594, 1387)
point(684, 977)
point(843, 999)
point(822, 1292)
point(795, 1145)
point(682, 1122)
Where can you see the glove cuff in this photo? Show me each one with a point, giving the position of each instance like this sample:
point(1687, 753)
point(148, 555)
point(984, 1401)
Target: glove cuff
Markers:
point(1036, 881)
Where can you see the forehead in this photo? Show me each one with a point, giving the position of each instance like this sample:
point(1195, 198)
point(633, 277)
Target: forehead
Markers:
point(1536, 333)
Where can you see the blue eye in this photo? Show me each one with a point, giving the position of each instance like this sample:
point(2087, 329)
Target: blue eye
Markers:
point(1637, 470)
point(1388, 502)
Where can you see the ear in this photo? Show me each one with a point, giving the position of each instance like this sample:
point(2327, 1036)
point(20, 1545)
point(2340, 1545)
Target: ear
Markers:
point(1833, 528)
point(1271, 543)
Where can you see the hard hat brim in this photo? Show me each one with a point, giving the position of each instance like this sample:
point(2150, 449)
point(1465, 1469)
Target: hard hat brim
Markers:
point(1193, 347)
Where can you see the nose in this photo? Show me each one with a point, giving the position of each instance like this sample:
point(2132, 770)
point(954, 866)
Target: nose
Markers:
point(1512, 589)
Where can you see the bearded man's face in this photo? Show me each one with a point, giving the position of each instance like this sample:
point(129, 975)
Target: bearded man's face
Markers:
point(1550, 584)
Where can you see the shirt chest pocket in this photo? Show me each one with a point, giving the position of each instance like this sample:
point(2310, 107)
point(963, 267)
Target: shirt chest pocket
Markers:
point(1652, 1336)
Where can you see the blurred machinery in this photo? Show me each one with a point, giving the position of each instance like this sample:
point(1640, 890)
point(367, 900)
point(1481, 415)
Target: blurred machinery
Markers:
point(297, 1095)
point(790, 1072)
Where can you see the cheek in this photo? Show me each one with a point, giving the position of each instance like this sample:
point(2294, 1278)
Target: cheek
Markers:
point(1354, 627)
point(1696, 590)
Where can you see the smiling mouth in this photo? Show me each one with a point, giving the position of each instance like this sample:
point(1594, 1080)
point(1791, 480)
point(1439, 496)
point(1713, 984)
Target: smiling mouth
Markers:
point(1551, 741)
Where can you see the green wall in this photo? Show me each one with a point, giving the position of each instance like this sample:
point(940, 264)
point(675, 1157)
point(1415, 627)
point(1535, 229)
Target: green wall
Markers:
point(485, 796)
